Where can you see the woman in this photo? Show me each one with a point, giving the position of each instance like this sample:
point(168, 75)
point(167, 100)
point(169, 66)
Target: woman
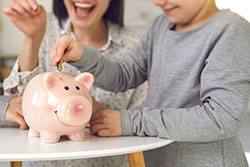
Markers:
point(96, 23)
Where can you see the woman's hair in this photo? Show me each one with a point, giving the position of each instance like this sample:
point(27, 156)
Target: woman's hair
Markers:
point(114, 13)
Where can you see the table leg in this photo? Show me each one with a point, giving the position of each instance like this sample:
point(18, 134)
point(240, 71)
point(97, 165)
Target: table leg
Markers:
point(16, 164)
point(136, 159)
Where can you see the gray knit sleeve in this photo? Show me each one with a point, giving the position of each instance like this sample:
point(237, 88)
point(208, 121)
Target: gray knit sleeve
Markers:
point(224, 96)
point(127, 72)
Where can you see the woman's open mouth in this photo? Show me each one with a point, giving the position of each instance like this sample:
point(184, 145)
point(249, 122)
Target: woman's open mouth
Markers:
point(83, 10)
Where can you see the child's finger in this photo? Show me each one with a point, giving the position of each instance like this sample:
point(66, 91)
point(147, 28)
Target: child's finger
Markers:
point(95, 122)
point(96, 116)
point(66, 55)
point(104, 133)
point(53, 55)
point(95, 128)
point(62, 45)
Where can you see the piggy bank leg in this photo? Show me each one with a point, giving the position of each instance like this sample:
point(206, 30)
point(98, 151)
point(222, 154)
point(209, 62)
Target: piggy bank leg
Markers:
point(77, 136)
point(33, 133)
point(48, 137)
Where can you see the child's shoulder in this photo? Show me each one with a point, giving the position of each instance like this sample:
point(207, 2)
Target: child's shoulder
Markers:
point(230, 19)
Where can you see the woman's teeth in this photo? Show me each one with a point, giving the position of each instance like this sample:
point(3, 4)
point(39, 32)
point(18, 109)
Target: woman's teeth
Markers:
point(83, 5)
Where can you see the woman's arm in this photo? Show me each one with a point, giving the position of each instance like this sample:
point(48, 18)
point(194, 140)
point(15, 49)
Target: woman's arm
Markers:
point(29, 18)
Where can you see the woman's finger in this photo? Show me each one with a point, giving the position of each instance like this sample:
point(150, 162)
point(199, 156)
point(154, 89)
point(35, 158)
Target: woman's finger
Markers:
point(19, 99)
point(18, 8)
point(34, 4)
point(20, 120)
point(9, 11)
point(26, 6)
point(19, 109)
point(16, 117)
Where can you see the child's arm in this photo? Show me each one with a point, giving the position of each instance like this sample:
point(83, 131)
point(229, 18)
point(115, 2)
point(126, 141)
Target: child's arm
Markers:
point(224, 97)
point(130, 71)
point(136, 65)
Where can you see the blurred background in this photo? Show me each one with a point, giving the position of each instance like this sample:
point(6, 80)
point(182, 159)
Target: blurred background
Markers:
point(138, 16)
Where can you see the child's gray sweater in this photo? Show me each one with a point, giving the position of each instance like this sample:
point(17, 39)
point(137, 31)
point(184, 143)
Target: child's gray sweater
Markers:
point(199, 87)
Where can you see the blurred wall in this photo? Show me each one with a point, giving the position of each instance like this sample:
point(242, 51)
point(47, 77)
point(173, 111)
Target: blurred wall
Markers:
point(138, 16)
point(11, 36)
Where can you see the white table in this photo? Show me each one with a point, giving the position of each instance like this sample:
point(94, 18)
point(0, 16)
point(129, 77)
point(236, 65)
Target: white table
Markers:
point(15, 145)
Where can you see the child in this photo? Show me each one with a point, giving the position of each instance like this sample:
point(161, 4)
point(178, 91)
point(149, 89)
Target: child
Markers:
point(196, 60)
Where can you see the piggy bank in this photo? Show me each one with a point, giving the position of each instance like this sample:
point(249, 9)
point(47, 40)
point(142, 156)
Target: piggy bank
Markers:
point(58, 104)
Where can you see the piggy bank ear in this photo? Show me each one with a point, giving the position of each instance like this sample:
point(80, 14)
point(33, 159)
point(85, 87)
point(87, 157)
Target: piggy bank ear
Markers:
point(49, 81)
point(85, 78)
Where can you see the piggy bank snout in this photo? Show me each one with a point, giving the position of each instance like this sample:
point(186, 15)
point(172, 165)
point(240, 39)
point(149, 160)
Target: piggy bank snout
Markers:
point(76, 111)
point(77, 108)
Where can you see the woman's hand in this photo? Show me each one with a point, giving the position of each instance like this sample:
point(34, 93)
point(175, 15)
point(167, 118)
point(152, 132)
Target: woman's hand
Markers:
point(66, 49)
point(28, 16)
point(106, 123)
point(14, 112)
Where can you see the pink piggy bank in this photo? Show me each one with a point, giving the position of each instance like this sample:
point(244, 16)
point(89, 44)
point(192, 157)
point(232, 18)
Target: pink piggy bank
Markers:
point(56, 104)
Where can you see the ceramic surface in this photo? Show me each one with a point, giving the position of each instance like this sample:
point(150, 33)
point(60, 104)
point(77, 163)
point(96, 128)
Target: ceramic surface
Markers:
point(56, 104)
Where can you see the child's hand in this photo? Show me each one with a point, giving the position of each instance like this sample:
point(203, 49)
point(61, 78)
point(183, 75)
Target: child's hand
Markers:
point(65, 49)
point(97, 106)
point(106, 123)
point(14, 112)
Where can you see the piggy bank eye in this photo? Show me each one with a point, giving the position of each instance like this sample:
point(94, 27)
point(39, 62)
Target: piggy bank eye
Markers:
point(66, 87)
point(77, 87)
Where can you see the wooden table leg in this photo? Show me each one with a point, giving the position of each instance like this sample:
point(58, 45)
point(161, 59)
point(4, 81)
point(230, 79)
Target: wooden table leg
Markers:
point(16, 164)
point(136, 159)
